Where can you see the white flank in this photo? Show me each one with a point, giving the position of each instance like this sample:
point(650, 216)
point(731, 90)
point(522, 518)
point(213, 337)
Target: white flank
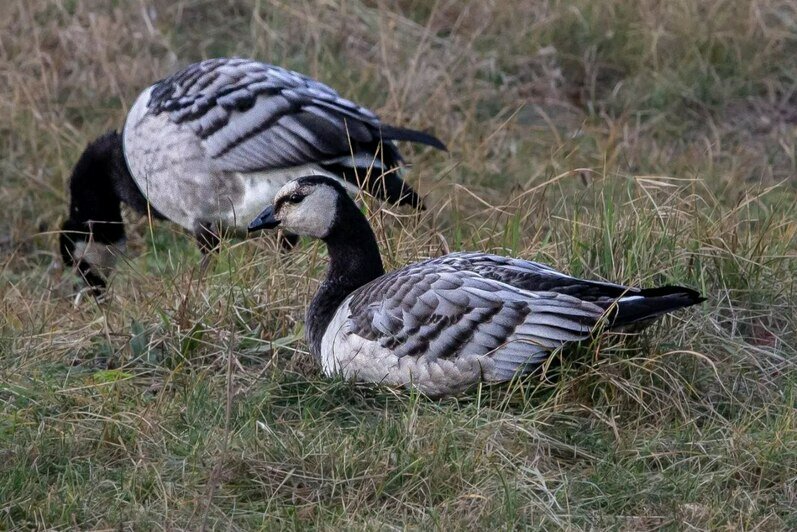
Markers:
point(353, 357)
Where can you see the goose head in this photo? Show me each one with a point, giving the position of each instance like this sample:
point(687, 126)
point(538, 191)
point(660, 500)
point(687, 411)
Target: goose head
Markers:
point(307, 206)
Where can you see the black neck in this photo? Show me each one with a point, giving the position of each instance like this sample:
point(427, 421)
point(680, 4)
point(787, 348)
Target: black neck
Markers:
point(94, 213)
point(354, 260)
point(93, 195)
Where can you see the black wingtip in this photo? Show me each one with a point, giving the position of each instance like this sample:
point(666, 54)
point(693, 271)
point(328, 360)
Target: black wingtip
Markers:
point(411, 198)
point(693, 297)
point(412, 135)
point(653, 303)
point(395, 190)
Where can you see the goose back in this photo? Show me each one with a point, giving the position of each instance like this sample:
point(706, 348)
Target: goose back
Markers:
point(218, 139)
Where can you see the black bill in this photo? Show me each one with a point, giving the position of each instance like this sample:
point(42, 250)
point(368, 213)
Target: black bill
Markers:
point(265, 220)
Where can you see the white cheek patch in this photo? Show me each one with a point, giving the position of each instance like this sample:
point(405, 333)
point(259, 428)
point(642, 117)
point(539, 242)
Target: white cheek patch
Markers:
point(101, 257)
point(314, 216)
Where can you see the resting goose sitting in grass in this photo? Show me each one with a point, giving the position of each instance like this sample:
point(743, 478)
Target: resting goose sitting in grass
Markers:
point(210, 145)
point(444, 324)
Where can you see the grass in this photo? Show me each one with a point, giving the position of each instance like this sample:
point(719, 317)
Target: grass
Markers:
point(638, 141)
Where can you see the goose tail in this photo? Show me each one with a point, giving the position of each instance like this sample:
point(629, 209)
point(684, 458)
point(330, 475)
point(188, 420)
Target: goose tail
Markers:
point(411, 135)
point(650, 303)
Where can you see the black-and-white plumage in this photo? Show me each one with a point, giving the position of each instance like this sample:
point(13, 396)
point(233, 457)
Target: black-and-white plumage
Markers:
point(210, 145)
point(444, 324)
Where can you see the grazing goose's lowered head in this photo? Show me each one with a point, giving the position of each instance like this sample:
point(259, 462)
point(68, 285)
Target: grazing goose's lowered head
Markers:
point(444, 324)
point(93, 235)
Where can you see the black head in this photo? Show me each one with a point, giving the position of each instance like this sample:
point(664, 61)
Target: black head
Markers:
point(94, 280)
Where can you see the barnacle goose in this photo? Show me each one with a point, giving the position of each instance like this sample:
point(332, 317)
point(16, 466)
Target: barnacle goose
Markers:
point(444, 324)
point(210, 145)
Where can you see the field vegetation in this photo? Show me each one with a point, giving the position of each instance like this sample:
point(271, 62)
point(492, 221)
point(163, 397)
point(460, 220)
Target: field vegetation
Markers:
point(638, 141)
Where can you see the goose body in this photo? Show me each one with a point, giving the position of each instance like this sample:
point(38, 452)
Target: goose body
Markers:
point(444, 324)
point(210, 145)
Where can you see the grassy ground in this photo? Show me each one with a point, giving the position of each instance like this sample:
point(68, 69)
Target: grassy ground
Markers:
point(638, 141)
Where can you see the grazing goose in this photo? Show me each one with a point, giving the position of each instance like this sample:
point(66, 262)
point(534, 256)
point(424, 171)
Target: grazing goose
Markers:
point(444, 324)
point(209, 146)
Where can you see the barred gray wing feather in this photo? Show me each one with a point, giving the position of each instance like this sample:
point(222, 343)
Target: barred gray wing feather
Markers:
point(436, 310)
point(534, 276)
point(252, 116)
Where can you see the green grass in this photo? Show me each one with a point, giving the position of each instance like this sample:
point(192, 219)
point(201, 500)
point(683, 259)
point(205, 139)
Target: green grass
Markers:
point(642, 142)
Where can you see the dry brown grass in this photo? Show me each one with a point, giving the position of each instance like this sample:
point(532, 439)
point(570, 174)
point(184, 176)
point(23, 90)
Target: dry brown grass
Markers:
point(638, 141)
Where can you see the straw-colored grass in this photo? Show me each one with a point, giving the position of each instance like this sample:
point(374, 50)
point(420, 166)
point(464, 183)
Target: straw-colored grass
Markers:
point(638, 141)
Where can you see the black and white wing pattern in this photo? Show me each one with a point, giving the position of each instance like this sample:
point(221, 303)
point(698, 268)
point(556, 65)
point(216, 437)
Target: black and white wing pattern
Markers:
point(446, 323)
point(444, 328)
point(534, 276)
point(625, 305)
point(251, 116)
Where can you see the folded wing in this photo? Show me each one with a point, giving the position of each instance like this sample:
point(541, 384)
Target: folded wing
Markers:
point(434, 311)
point(251, 116)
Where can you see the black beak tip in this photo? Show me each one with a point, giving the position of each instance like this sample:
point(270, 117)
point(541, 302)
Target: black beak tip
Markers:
point(265, 220)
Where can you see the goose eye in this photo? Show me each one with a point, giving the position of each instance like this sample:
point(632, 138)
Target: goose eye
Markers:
point(295, 198)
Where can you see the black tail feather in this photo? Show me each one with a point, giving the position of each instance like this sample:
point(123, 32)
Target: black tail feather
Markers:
point(411, 135)
point(387, 187)
point(396, 191)
point(652, 303)
point(383, 180)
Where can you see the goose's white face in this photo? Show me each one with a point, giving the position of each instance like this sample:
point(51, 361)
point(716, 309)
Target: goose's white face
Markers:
point(306, 209)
